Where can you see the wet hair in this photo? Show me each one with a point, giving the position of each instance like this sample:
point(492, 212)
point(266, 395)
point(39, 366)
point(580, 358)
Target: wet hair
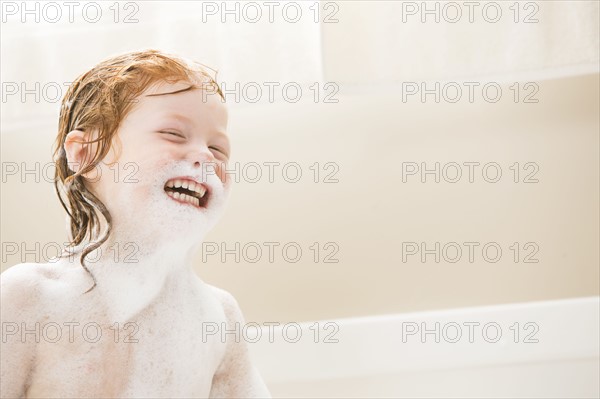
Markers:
point(96, 103)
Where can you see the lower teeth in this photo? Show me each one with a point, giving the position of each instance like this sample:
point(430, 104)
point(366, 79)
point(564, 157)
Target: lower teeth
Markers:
point(184, 197)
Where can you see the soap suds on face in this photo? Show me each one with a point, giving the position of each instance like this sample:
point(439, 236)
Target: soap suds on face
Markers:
point(145, 210)
point(144, 214)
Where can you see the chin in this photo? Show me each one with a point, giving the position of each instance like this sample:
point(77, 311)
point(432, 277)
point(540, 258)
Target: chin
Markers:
point(182, 220)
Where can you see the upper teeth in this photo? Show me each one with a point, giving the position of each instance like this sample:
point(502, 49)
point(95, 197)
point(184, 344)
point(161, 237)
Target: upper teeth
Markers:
point(190, 185)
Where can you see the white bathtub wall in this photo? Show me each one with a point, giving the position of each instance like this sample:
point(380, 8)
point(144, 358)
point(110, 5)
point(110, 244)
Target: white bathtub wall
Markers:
point(556, 355)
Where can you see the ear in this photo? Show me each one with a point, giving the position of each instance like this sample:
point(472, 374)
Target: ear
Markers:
point(78, 152)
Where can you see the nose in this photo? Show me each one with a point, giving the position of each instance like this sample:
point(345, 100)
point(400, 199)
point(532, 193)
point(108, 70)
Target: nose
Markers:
point(199, 154)
point(204, 162)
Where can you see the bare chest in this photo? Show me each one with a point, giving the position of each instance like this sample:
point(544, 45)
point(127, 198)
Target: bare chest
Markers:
point(167, 350)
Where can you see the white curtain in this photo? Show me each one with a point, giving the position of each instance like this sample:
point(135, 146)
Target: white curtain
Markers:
point(372, 44)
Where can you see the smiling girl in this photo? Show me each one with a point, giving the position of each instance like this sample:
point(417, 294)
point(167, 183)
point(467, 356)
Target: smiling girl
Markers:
point(141, 158)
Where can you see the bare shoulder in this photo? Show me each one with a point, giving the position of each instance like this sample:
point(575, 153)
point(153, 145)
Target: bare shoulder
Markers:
point(230, 305)
point(24, 300)
point(236, 376)
point(22, 285)
point(28, 285)
point(19, 299)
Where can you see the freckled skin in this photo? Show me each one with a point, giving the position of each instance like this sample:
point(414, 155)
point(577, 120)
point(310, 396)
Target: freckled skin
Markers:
point(141, 332)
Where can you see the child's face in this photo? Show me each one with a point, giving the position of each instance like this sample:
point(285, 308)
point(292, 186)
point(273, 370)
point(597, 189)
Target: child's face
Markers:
point(170, 133)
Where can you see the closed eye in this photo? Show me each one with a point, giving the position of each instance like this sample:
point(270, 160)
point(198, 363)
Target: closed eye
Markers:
point(182, 136)
point(173, 133)
point(218, 149)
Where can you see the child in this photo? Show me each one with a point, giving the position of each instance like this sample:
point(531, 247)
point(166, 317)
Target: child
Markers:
point(141, 158)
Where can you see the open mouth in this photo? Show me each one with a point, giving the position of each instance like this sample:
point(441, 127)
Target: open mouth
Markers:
point(187, 191)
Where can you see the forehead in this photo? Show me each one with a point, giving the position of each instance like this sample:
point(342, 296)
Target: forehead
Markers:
point(198, 104)
point(196, 99)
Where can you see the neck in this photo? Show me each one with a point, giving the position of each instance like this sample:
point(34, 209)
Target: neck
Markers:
point(133, 267)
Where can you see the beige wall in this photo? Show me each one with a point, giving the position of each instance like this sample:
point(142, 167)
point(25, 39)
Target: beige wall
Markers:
point(370, 212)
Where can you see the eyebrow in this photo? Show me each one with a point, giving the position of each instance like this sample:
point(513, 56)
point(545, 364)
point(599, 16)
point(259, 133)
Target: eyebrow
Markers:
point(171, 92)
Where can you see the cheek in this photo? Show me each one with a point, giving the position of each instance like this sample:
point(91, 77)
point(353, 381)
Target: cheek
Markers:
point(144, 162)
point(222, 173)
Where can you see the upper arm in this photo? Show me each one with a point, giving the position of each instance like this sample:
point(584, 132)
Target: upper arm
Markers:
point(18, 289)
point(236, 376)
